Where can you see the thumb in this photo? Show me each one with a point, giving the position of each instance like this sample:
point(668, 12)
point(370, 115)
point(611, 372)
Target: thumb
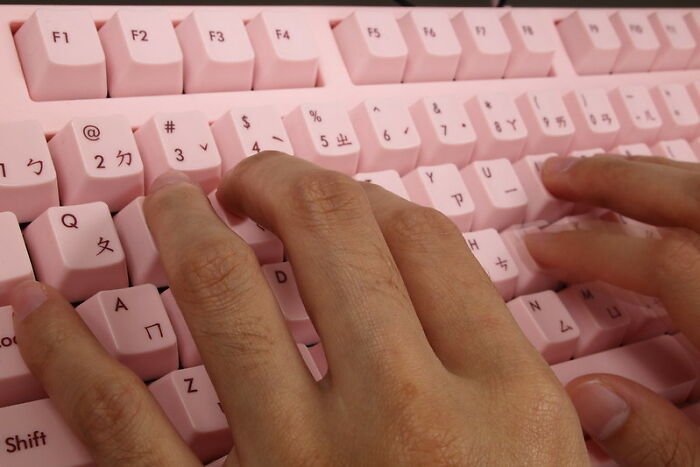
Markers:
point(634, 425)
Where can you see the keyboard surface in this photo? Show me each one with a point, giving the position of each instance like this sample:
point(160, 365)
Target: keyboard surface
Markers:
point(451, 108)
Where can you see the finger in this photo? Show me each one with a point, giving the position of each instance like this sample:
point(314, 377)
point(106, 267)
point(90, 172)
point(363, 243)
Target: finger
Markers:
point(231, 312)
point(346, 275)
point(633, 424)
point(653, 193)
point(104, 403)
point(692, 166)
point(451, 293)
point(668, 268)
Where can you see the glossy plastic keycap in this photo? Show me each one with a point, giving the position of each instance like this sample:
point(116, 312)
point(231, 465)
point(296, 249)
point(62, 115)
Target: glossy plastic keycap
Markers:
point(18, 383)
point(500, 128)
point(639, 44)
point(532, 39)
point(678, 149)
point(550, 128)
point(61, 55)
point(590, 41)
point(593, 118)
point(676, 42)
point(76, 250)
point(694, 355)
point(677, 112)
point(541, 203)
point(187, 348)
point(485, 45)
point(15, 266)
point(309, 362)
point(388, 179)
point(639, 119)
point(692, 20)
point(488, 248)
point(638, 149)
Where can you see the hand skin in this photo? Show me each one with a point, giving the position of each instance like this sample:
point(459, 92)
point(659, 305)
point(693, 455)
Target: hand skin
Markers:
point(634, 425)
point(427, 366)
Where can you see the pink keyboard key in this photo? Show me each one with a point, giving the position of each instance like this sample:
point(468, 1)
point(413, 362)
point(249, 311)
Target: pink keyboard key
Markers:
point(283, 284)
point(677, 43)
point(692, 20)
point(61, 55)
point(218, 462)
point(217, 52)
point(323, 134)
point(35, 432)
point(547, 324)
point(97, 160)
point(550, 128)
point(638, 149)
point(441, 187)
point(694, 355)
point(433, 48)
point(388, 179)
point(497, 193)
point(179, 141)
point(639, 119)
point(17, 382)
point(285, 51)
point(493, 256)
point(678, 149)
point(372, 47)
point(593, 117)
point(660, 364)
point(76, 250)
point(582, 153)
point(501, 129)
point(532, 38)
point(541, 203)
point(648, 318)
point(15, 266)
point(694, 91)
point(388, 136)
point(590, 41)
point(602, 323)
point(485, 45)
point(27, 177)
point(133, 326)
point(632, 227)
point(531, 277)
point(568, 223)
point(319, 357)
point(446, 132)
point(245, 131)
point(680, 117)
point(143, 55)
point(639, 42)
point(142, 257)
point(267, 247)
point(310, 362)
point(189, 400)
point(186, 347)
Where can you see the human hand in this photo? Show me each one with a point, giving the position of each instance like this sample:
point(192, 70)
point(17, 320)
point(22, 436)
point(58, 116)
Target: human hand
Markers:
point(426, 365)
point(634, 425)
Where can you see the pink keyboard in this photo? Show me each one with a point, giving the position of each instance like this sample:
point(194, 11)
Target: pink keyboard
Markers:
point(451, 108)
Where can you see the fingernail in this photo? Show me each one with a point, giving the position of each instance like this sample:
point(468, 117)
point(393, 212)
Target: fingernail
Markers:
point(602, 412)
point(169, 178)
point(27, 297)
point(559, 164)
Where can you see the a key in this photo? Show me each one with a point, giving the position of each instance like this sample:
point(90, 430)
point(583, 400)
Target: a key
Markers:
point(190, 402)
point(550, 128)
point(441, 187)
point(531, 277)
point(18, 383)
point(388, 136)
point(677, 149)
point(636, 149)
point(541, 203)
point(388, 179)
point(676, 42)
point(323, 134)
point(546, 323)
point(500, 128)
point(61, 55)
point(143, 55)
point(186, 347)
point(372, 46)
point(493, 256)
point(284, 286)
point(573, 222)
point(97, 160)
point(218, 462)
point(601, 322)
point(76, 250)
point(692, 20)
point(267, 247)
point(694, 91)
point(35, 432)
point(485, 45)
point(593, 117)
point(309, 361)
point(179, 141)
point(319, 356)
point(647, 317)
point(632, 227)
point(590, 40)
point(583, 153)
point(446, 133)
point(133, 326)
point(660, 364)
point(218, 55)
point(28, 183)
point(639, 119)
point(15, 266)
point(694, 356)
point(677, 112)
point(433, 48)
point(245, 131)
point(285, 51)
point(639, 44)
point(497, 193)
point(532, 39)
point(142, 256)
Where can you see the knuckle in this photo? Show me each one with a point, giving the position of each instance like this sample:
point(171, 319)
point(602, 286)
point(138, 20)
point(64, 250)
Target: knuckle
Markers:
point(325, 197)
point(418, 225)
